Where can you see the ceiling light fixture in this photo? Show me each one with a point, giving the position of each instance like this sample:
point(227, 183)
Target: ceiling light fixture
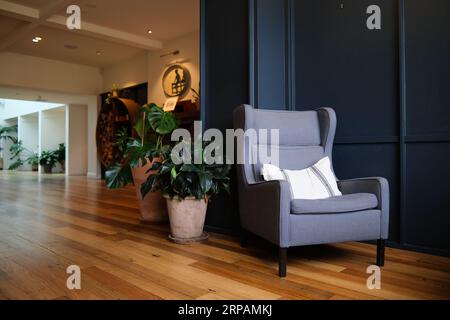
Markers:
point(149, 31)
point(36, 39)
point(98, 53)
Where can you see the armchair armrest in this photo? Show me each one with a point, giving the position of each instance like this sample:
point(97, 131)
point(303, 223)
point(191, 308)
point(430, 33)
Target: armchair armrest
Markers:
point(377, 186)
point(265, 208)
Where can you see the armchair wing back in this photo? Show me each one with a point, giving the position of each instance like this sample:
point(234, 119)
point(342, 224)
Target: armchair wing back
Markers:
point(305, 137)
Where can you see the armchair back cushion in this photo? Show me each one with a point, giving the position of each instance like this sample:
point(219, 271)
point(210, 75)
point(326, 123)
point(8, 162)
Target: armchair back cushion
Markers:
point(305, 137)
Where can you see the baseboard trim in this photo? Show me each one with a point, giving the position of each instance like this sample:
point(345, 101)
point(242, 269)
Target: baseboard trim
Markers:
point(390, 244)
point(221, 230)
point(416, 248)
point(92, 175)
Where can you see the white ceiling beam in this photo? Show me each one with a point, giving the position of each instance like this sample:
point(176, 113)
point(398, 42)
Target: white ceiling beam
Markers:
point(47, 16)
point(18, 11)
point(24, 30)
point(100, 32)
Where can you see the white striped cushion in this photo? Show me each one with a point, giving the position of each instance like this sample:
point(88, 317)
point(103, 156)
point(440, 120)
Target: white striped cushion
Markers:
point(315, 182)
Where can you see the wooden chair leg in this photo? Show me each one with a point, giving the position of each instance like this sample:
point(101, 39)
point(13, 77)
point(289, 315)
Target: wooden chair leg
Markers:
point(380, 252)
point(282, 262)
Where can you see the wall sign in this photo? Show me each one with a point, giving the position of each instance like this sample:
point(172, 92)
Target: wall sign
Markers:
point(176, 81)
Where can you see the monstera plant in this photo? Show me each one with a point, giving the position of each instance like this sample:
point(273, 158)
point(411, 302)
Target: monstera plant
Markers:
point(153, 125)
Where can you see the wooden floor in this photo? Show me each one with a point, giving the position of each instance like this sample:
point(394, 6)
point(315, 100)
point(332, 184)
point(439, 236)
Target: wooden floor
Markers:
point(49, 223)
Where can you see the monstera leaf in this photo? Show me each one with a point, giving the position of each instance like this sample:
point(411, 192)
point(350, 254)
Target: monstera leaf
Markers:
point(118, 176)
point(160, 121)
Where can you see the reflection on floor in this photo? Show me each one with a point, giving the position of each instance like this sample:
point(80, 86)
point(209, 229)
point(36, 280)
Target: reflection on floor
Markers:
point(49, 223)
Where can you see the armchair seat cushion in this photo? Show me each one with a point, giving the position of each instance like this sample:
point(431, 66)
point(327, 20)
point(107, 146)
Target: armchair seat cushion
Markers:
point(339, 204)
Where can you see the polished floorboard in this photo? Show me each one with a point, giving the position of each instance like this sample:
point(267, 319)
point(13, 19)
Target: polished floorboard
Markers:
point(48, 223)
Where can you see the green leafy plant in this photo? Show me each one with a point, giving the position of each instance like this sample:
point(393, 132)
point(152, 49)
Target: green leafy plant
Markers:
point(61, 155)
point(33, 160)
point(21, 155)
point(153, 125)
point(8, 133)
point(48, 159)
point(201, 181)
point(61, 152)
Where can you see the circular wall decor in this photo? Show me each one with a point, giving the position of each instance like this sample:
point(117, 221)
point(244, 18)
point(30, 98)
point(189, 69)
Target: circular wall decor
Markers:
point(176, 81)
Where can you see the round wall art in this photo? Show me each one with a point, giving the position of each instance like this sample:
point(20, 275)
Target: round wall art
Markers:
point(176, 81)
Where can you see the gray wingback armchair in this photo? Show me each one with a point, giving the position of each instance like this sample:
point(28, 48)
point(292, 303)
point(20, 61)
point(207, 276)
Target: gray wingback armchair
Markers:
point(266, 208)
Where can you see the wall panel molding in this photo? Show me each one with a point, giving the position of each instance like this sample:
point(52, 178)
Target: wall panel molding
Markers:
point(272, 51)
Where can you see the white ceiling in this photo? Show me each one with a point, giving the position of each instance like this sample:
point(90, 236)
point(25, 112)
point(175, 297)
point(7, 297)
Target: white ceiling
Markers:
point(54, 47)
point(37, 95)
point(116, 28)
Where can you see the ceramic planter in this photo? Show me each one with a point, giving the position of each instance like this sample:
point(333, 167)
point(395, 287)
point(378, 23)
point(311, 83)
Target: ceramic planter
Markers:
point(47, 169)
point(153, 209)
point(187, 218)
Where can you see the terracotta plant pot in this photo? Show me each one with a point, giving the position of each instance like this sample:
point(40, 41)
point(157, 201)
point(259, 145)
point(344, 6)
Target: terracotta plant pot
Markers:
point(153, 207)
point(187, 218)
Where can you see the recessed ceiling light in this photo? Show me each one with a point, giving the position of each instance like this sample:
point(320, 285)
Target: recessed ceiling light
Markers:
point(35, 40)
point(98, 53)
point(149, 31)
point(38, 38)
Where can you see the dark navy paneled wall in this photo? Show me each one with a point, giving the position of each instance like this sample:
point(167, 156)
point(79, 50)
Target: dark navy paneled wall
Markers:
point(342, 64)
point(390, 89)
point(224, 83)
point(426, 215)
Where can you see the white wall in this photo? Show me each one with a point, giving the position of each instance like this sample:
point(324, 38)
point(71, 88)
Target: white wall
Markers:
point(15, 108)
point(24, 71)
point(189, 47)
point(52, 131)
point(77, 138)
point(126, 74)
point(151, 67)
point(29, 135)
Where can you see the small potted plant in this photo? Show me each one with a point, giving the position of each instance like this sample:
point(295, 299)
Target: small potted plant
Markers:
point(48, 160)
point(187, 188)
point(33, 161)
point(21, 155)
point(61, 155)
point(153, 125)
